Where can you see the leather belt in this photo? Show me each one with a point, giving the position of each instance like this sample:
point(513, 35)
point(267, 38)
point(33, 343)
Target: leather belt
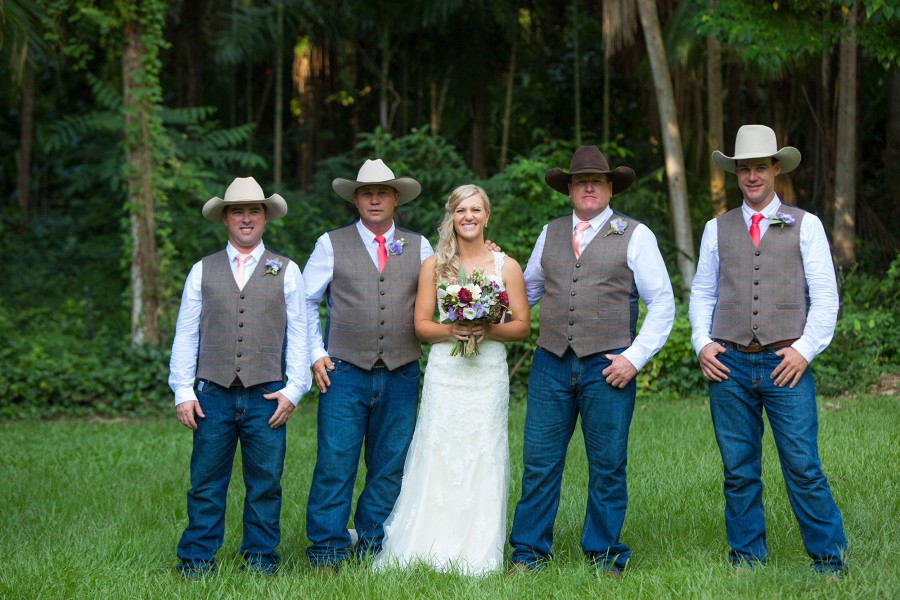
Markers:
point(755, 346)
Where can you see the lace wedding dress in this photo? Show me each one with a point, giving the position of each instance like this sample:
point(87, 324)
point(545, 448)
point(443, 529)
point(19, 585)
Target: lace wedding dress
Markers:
point(451, 512)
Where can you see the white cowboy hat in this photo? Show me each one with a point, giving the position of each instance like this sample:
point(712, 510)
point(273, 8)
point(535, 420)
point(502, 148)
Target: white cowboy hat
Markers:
point(757, 141)
point(375, 172)
point(245, 190)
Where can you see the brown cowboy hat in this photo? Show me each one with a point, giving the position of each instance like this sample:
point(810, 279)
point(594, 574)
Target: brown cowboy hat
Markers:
point(589, 159)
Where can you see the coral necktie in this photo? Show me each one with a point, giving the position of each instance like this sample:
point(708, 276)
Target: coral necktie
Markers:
point(754, 228)
point(580, 228)
point(382, 252)
point(239, 272)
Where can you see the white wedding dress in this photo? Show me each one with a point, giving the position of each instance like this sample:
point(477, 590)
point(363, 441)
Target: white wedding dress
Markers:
point(451, 512)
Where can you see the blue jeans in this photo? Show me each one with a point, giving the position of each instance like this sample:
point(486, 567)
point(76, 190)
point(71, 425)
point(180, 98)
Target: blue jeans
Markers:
point(736, 405)
point(234, 414)
point(380, 407)
point(559, 389)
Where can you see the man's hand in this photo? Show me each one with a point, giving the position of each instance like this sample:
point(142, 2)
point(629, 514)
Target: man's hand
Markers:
point(710, 366)
point(620, 372)
point(790, 369)
point(320, 373)
point(186, 412)
point(283, 412)
point(492, 246)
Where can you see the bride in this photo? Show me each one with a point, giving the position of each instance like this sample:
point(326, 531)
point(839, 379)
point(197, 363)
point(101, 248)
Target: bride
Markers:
point(451, 512)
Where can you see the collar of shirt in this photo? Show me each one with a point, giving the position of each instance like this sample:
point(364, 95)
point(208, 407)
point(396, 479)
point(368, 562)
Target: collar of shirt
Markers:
point(768, 212)
point(256, 253)
point(597, 222)
point(369, 238)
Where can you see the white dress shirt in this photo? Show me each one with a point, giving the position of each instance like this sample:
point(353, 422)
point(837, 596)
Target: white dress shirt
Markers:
point(650, 277)
point(818, 270)
point(186, 347)
point(319, 272)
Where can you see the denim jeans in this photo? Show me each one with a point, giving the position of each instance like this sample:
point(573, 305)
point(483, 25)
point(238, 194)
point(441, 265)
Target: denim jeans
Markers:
point(234, 414)
point(378, 406)
point(559, 389)
point(736, 405)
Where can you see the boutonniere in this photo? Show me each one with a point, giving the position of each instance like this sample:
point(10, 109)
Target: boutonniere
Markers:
point(273, 265)
point(782, 219)
point(396, 246)
point(616, 226)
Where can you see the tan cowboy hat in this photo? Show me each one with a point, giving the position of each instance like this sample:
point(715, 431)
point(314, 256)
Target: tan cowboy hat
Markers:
point(589, 159)
point(375, 172)
point(245, 190)
point(757, 141)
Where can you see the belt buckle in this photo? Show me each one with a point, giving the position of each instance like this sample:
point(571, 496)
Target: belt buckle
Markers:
point(755, 346)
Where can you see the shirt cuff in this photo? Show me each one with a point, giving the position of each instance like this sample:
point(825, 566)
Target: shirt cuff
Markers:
point(315, 354)
point(700, 342)
point(185, 394)
point(292, 393)
point(634, 358)
point(805, 349)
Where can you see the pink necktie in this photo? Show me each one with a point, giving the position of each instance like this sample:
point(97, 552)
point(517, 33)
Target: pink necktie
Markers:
point(580, 228)
point(754, 228)
point(382, 252)
point(239, 273)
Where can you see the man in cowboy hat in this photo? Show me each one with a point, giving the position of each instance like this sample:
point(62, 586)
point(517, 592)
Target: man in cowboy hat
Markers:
point(242, 314)
point(587, 270)
point(763, 304)
point(366, 364)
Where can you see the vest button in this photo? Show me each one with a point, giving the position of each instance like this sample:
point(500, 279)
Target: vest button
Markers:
point(381, 278)
point(382, 307)
point(238, 354)
point(381, 292)
point(574, 279)
point(756, 253)
point(573, 292)
point(241, 324)
point(241, 310)
point(755, 312)
point(380, 351)
point(756, 267)
point(240, 339)
point(382, 322)
point(755, 297)
point(755, 327)
point(571, 322)
point(577, 265)
point(570, 338)
point(242, 296)
point(756, 282)
point(237, 368)
point(571, 308)
point(381, 336)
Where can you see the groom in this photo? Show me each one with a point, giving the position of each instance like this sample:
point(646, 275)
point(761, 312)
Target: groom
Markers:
point(587, 269)
point(366, 364)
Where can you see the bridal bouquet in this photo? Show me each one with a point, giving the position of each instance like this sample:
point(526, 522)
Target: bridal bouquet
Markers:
point(475, 298)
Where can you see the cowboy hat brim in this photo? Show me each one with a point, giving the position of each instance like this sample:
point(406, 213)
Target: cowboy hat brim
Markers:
point(788, 157)
point(276, 207)
point(407, 187)
point(621, 178)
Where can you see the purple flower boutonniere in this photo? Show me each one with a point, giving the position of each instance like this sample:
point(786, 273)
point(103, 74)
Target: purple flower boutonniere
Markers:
point(273, 265)
point(616, 226)
point(782, 219)
point(396, 247)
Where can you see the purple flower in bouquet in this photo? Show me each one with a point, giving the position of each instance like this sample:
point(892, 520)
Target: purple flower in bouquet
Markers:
point(616, 226)
point(782, 218)
point(396, 246)
point(273, 265)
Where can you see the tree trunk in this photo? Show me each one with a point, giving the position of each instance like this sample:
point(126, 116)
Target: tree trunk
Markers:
point(279, 96)
point(507, 105)
point(26, 140)
point(716, 134)
point(845, 155)
point(479, 142)
point(892, 146)
point(678, 198)
point(577, 72)
point(384, 72)
point(144, 284)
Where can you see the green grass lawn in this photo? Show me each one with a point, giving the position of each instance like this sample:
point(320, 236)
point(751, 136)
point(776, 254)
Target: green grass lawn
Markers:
point(94, 510)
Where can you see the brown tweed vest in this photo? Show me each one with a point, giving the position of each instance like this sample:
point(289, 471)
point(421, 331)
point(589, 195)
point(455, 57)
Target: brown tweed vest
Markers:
point(762, 290)
point(241, 331)
point(589, 303)
point(370, 314)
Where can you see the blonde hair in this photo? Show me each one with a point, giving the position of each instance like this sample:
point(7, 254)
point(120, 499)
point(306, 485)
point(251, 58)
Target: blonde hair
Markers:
point(446, 250)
